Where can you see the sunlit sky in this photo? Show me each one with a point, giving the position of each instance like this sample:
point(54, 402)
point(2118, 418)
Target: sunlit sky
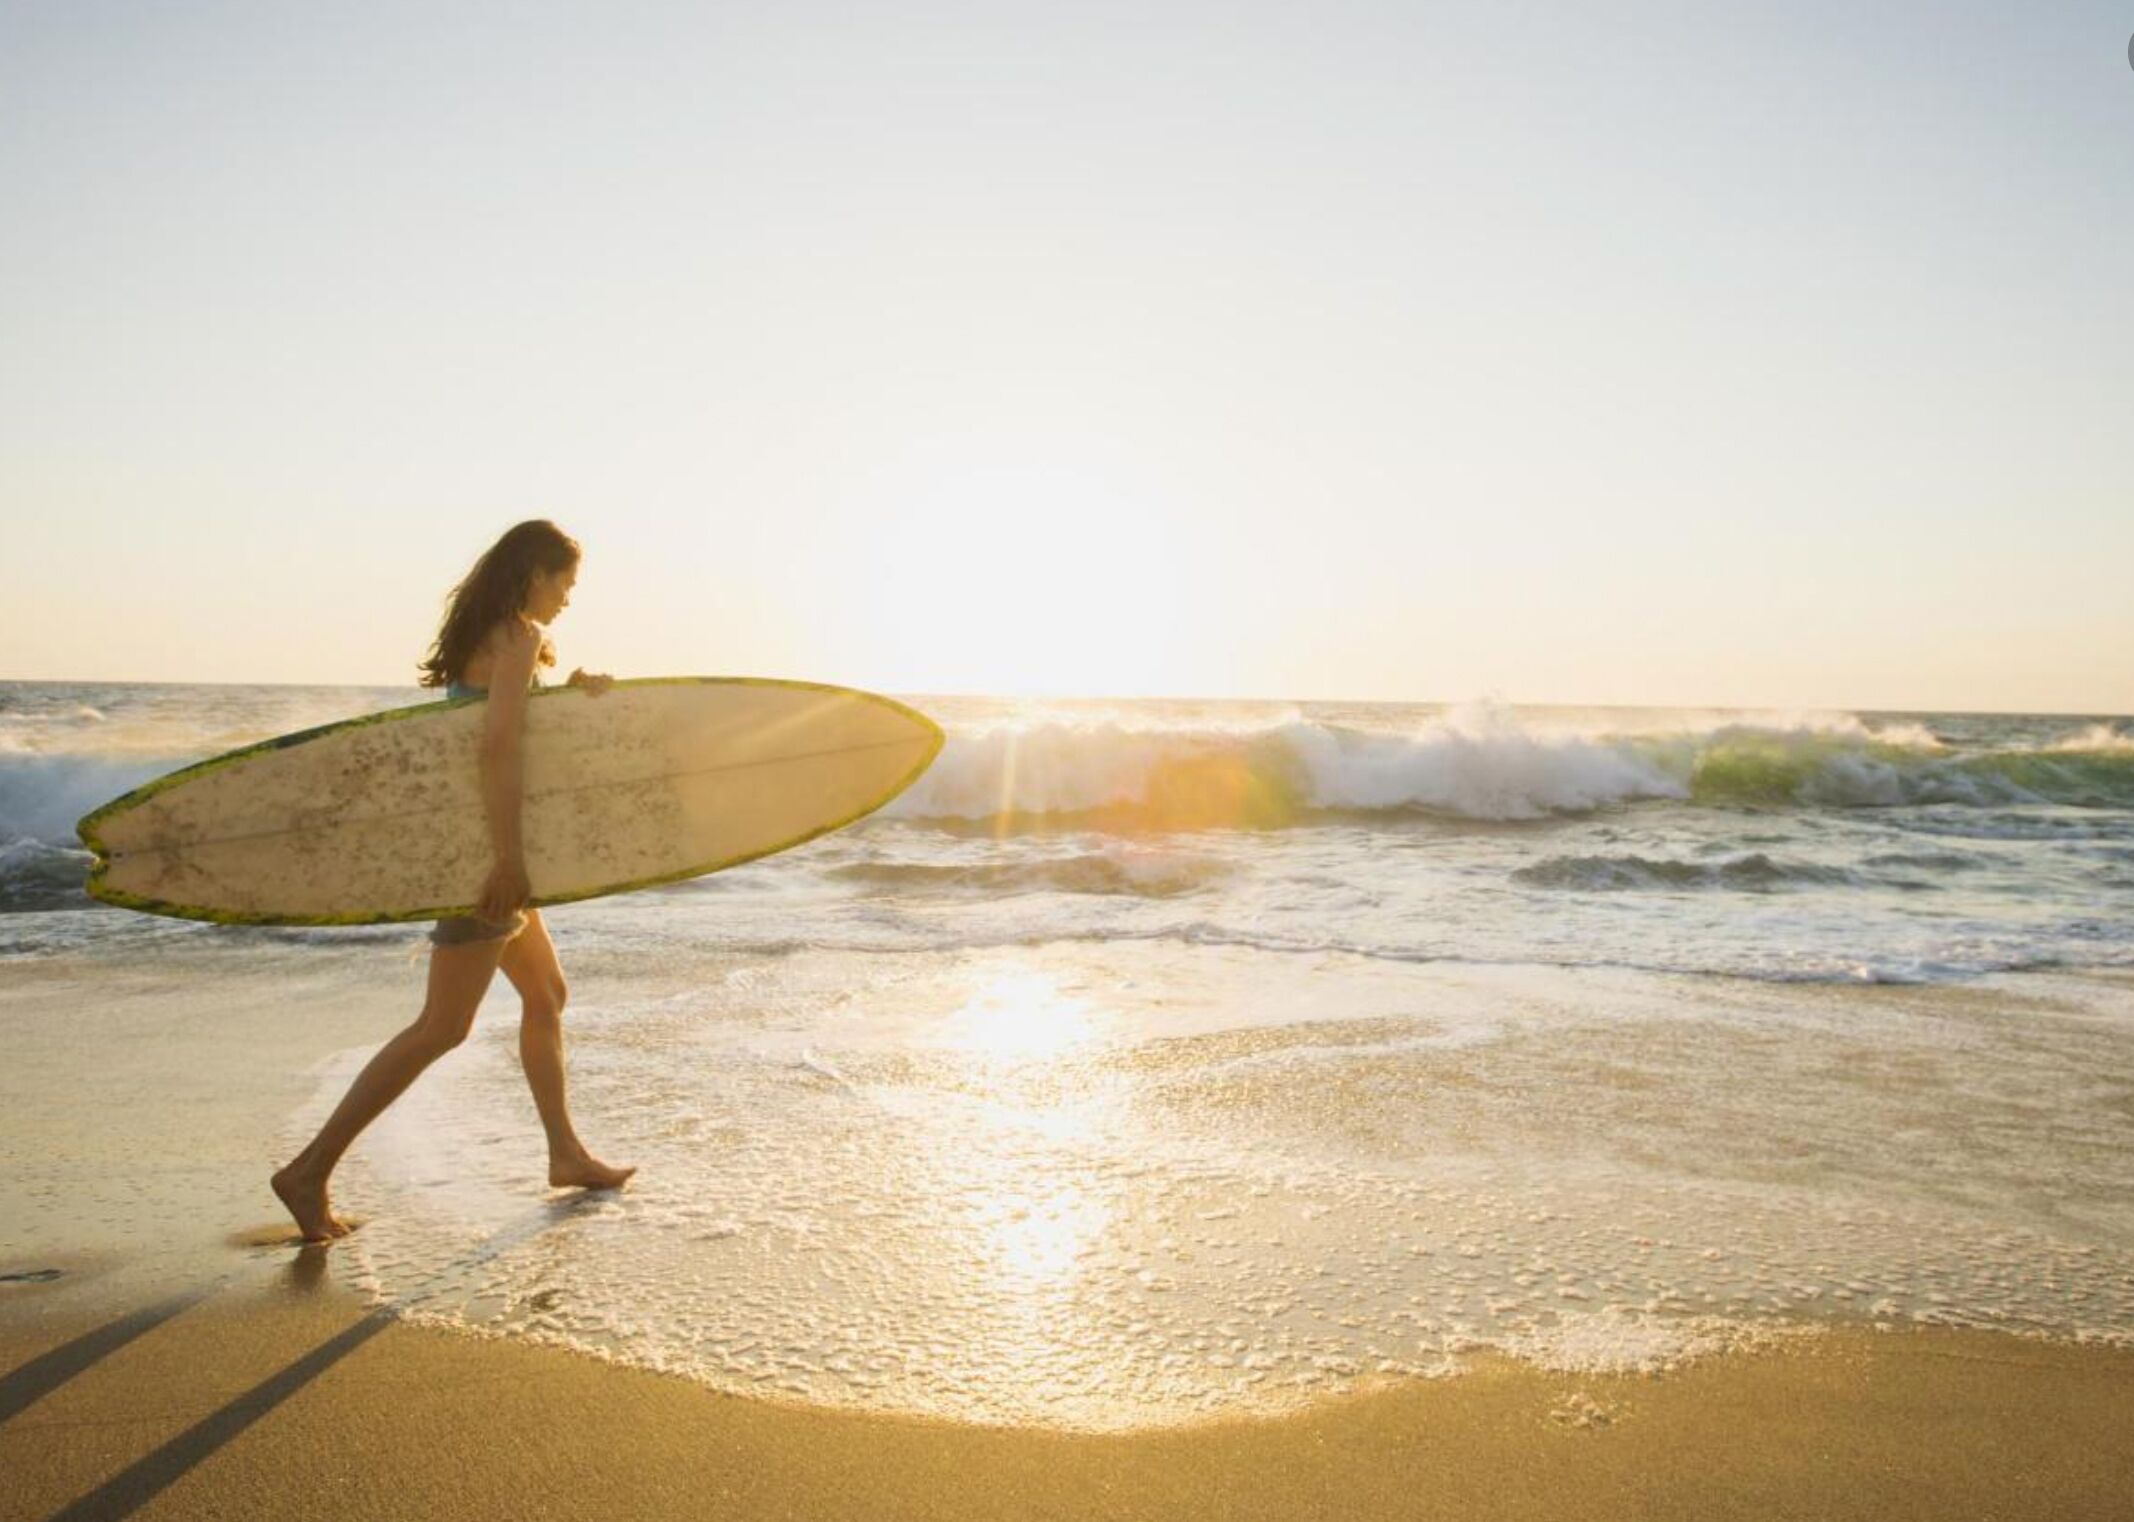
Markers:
point(1659, 353)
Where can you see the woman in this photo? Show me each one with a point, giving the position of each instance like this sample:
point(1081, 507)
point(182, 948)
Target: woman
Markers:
point(491, 640)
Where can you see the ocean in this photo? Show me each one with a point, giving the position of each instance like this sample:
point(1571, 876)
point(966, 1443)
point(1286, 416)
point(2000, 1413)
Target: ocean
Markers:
point(1151, 1059)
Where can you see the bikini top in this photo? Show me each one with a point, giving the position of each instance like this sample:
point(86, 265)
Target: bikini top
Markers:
point(459, 689)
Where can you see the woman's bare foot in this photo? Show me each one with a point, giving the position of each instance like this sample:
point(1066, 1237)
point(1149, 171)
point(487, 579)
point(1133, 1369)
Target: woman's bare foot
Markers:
point(585, 1171)
point(306, 1198)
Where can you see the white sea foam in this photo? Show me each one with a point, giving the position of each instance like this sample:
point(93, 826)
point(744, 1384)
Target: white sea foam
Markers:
point(1477, 762)
point(1482, 771)
point(1105, 1187)
point(2105, 738)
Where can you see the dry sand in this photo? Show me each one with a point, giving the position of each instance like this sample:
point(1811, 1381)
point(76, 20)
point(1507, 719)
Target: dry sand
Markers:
point(257, 1402)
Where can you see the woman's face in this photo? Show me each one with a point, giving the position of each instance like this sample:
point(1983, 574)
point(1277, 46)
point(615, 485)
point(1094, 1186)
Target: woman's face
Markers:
point(550, 594)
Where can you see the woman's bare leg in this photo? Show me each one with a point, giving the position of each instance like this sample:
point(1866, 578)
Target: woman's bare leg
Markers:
point(530, 962)
point(459, 976)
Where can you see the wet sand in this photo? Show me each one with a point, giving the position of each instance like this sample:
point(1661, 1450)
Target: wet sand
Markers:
point(140, 1163)
point(252, 1401)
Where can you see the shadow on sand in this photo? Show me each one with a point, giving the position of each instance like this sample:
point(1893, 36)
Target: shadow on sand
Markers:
point(138, 1483)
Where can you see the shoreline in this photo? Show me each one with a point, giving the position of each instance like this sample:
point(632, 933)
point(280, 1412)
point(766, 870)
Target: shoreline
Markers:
point(1451, 1261)
point(217, 1406)
point(124, 1391)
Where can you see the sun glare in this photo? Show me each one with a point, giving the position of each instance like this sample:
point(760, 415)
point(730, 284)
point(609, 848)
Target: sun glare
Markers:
point(1017, 1017)
point(1041, 566)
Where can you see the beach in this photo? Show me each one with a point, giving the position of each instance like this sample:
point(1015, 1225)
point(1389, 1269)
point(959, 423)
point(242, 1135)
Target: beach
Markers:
point(1285, 763)
point(192, 1360)
point(295, 1397)
point(1098, 1164)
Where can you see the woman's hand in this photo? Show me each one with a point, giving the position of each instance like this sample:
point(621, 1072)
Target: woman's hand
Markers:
point(594, 683)
point(505, 893)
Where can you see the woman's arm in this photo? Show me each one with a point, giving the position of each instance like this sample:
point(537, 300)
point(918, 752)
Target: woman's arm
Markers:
point(503, 770)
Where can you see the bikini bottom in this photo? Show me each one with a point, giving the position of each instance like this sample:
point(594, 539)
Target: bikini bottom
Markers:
point(462, 928)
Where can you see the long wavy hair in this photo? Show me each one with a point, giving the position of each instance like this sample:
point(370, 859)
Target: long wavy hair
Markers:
point(493, 591)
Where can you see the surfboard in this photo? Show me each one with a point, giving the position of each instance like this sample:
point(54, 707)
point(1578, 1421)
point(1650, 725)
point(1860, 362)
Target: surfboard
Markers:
point(381, 817)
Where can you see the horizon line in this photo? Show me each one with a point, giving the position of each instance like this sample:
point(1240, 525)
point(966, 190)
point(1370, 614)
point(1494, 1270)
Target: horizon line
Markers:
point(1735, 707)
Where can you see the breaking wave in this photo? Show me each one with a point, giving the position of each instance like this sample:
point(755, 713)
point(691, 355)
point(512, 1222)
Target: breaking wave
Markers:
point(1483, 764)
